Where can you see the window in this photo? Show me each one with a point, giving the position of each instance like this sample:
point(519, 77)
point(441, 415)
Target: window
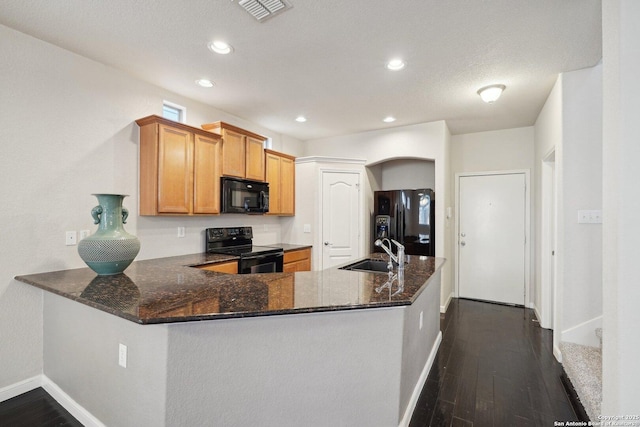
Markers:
point(174, 112)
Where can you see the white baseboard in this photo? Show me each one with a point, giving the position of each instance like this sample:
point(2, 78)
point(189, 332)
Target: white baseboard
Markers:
point(557, 353)
point(583, 333)
point(19, 388)
point(535, 310)
point(56, 392)
point(413, 401)
point(443, 308)
point(69, 404)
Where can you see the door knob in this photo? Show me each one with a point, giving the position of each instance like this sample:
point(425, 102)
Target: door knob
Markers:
point(462, 243)
point(326, 243)
point(462, 234)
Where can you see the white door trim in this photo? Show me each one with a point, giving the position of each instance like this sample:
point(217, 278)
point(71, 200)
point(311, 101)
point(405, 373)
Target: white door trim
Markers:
point(527, 246)
point(548, 234)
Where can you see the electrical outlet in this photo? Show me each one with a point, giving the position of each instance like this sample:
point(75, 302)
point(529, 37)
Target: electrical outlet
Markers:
point(307, 228)
point(181, 231)
point(122, 355)
point(71, 238)
point(84, 234)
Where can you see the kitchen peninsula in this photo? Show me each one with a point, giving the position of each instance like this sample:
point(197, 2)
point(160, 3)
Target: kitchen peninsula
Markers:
point(207, 348)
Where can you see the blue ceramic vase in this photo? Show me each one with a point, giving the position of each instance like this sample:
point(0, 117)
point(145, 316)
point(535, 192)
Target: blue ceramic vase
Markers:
point(110, 249)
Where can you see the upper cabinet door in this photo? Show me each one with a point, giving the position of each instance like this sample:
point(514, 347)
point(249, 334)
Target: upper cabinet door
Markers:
point(179, 168)
point(280, 174)
point(174, 170)
point(254, 167)
point(233, 153)
point(242, 151)
point(287, 186)
point(273, 178)
point(206, 175)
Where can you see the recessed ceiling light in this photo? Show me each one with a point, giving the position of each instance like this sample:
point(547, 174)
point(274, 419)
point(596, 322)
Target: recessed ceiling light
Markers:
point(220, 47)
point(490, 94)
point(301, 119)
point(204, 83)
point(395, 64)
point(389, 119)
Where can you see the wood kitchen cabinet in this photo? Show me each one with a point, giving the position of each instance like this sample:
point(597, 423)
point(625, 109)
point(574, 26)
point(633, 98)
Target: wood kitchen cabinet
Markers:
point(280, 174)
point(180, 168)
point(297, 260)
point(229, 267)
point(281, 293)
point(242, 151)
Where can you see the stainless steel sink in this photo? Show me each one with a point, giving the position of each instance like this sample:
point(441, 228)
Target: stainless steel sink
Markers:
point(370, 265)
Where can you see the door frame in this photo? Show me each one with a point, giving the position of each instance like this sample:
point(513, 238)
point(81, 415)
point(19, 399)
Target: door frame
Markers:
point(361, 206)
point(527, 226)
point(548, 241)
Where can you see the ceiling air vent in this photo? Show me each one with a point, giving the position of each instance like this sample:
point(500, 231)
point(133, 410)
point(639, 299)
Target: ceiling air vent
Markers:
point(263, 9)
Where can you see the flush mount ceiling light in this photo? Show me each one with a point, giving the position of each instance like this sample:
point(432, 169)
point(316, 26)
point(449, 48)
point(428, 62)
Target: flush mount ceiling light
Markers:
point(490, 94)
point(263, 9)
point(220, 47)
point(395, 64)
point(204, 83)
point(301, 119)
point(389, 119)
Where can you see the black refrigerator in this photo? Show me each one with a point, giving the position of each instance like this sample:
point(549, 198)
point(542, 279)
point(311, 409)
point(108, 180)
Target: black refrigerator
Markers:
point(407, 216)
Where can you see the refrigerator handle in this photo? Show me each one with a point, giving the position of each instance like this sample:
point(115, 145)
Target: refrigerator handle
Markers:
point(400, 223)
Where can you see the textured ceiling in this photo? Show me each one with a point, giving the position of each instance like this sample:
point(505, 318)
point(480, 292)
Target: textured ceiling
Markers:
point(326, 59)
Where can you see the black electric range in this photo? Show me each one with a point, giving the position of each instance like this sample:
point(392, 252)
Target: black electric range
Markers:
point(238, 241)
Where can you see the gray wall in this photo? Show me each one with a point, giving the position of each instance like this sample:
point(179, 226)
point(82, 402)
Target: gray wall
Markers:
point(418, 343)
point(81, 357)
point(357, 367)
point(310, 369)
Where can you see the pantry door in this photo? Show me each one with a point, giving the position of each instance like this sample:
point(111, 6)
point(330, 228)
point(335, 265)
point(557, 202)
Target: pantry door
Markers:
point(341, 217)
point(492, 237)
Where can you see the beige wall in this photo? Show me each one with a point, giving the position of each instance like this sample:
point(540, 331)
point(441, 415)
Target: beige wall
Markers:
point(621, 196)
point(68, 131)
point(425, 141)
point(509, 149)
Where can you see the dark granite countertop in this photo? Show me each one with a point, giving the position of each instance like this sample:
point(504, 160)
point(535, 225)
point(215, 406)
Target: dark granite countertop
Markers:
point(289, 247)
point(166, 290)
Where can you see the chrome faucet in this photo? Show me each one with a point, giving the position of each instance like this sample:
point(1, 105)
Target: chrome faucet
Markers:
point(399, 259)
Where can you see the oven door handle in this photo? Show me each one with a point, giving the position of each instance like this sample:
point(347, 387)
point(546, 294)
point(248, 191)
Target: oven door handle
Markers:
point(277, 254)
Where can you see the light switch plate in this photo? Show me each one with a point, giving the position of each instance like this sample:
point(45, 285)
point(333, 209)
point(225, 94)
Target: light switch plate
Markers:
point(307, 228)
point(589, 217)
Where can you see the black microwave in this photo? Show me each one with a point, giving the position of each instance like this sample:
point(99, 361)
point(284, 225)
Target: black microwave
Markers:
point(243, 196)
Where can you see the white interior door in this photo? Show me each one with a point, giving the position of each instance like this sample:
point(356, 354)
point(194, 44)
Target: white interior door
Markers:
point(491, 241)
point(340, 217)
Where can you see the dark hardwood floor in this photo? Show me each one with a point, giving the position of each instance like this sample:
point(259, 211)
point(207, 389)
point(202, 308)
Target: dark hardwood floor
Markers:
point(495, 367)
point(35, 408)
